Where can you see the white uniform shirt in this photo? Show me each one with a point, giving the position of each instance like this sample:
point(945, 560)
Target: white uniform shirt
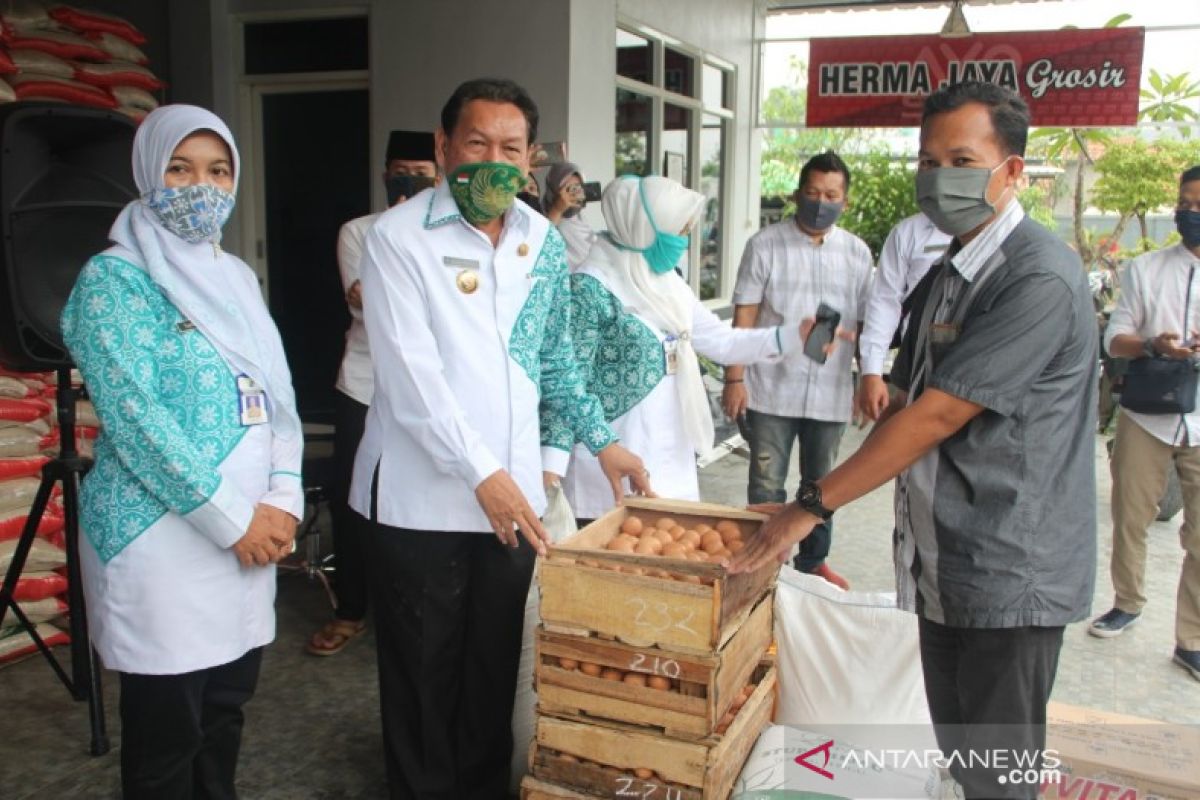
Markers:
point(1154, 291)
point(354, 377)
point(910, 250)
point(458, 375)
point(788, 275)
point(654, 428)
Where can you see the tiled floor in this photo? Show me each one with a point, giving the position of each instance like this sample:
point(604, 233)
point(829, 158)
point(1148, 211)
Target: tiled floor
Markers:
point(313, 729)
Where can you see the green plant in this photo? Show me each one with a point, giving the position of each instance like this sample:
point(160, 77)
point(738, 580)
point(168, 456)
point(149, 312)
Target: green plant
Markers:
point(881, 194)
point(1172, 99)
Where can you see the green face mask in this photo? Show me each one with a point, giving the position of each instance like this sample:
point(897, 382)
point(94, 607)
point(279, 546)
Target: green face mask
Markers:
point(485, 189)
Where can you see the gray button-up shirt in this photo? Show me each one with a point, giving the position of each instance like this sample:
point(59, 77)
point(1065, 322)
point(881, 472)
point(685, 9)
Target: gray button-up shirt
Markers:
point(996, 527)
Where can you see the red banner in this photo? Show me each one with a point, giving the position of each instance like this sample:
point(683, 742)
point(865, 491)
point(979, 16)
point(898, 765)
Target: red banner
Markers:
point(1069, 77)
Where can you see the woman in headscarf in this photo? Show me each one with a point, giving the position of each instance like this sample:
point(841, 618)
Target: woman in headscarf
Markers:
point(637, 328)
point(561, 203)
point(195, 492)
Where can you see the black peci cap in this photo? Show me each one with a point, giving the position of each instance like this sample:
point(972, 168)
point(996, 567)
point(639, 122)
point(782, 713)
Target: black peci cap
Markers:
point(409, 146)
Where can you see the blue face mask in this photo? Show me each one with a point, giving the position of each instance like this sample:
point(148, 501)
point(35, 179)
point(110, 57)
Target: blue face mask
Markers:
point(193, 213)
point(667, 248)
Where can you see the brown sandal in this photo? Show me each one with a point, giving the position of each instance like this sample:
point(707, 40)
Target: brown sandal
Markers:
point(338, 632)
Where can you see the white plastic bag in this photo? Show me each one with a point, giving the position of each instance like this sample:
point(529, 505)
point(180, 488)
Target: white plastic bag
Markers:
point(559, 522)
point(845, 657)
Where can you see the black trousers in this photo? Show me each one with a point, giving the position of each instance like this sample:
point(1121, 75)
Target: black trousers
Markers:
point(180, 734)
point(349, 528)
point(987, 691)
point(448, 609)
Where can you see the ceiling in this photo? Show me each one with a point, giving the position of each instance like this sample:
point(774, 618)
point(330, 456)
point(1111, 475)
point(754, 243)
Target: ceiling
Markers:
point(777, 6)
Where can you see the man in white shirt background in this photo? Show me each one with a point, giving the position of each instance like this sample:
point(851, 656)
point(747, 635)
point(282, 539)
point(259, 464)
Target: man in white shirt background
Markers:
point(467, 310)
point(910, 250)
point(788, 270)
point(1157, 315)
point(408, 168)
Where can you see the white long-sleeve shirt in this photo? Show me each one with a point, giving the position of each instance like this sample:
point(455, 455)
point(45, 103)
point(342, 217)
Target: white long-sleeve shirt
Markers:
point(1154, 291)
point(459, 374)
point(910, 250)
point(354, 377)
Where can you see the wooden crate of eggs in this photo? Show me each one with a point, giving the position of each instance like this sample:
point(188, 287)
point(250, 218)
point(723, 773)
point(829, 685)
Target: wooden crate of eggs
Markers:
point(648, 574)
point(573, 759)
point(685, 695)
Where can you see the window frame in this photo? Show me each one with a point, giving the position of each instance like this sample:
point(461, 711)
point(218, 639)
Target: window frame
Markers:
point(659, 96)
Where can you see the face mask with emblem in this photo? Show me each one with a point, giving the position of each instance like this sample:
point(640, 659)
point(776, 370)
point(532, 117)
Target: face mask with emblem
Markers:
point(484, 190)
point(955, 198)
point(193, 213)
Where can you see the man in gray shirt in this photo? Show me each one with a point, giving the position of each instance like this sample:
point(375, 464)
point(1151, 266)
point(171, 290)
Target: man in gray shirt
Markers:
point(992, 441)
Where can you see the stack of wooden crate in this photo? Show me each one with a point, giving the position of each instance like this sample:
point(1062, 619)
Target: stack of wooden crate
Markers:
point(652, 673)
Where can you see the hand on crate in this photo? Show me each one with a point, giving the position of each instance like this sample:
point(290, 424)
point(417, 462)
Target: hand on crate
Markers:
point(774, 540)
point(505, 506)
point(616, 462)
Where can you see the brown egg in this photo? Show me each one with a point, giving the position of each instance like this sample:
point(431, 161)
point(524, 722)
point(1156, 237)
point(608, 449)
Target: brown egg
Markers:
point(677, 531)
point(725, 720)
point(698, 555)
point(635, 679)
point(665, 524)
point(590, 669)
point(713, 545)
point(689, 578)
point(690, 538)
point(633, 570)
point(646, 547)
point(611, 674)
point(664, 536)
point(718, 557)
point(728, 537)
point(738, 702)
point(621, 545)
point(568, 663)
point(659, 682)
point(644, 774)
point(588, 562)
point(632, 525)
point(727, 526)
point(703, 529)
point(748, 690)
point(735, 546)
point(568, 758)
point(661, 573)
point(674, 550)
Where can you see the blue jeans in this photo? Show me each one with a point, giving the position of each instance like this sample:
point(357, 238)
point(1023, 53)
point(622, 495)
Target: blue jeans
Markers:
point(771, 440)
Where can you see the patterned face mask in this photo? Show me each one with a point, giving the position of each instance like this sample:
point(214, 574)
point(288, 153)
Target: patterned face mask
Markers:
point(193, 213)
point(485, 189)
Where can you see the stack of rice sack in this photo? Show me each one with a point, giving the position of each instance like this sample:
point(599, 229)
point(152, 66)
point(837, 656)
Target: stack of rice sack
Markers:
point(51, 51)
point(27, 440)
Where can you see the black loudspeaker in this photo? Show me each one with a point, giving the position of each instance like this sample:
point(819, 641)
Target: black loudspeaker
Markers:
point(65, 174)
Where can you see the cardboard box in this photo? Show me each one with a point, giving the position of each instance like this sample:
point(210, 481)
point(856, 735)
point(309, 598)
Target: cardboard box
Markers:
point(1109, 756)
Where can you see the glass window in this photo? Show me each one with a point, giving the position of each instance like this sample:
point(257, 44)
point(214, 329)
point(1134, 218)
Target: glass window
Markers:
point(677, 142)
point(712, 186)
point(634, 56)
point(716, 87)
point(633, 133)
point(679, 73)
point(314, 45)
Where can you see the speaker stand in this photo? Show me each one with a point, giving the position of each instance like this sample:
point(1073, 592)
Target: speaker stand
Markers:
point(68, 468)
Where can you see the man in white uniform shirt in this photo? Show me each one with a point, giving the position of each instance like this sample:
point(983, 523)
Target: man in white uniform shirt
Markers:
point(908, 253)
point(466, 304)
point(408, 167)
point(1158, 314)
point(789, 269)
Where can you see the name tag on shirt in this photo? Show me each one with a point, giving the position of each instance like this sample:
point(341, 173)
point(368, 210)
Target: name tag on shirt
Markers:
point(252, 401)
point(936, 248)
point(670, 347)
point(459, 263)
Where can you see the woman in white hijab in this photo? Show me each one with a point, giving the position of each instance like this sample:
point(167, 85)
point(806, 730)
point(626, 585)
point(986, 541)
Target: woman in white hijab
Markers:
point(195, 492)
point(637, 328)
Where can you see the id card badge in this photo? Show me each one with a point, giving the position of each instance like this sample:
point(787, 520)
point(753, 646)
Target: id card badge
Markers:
point(671, 354)
point(252, 401)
